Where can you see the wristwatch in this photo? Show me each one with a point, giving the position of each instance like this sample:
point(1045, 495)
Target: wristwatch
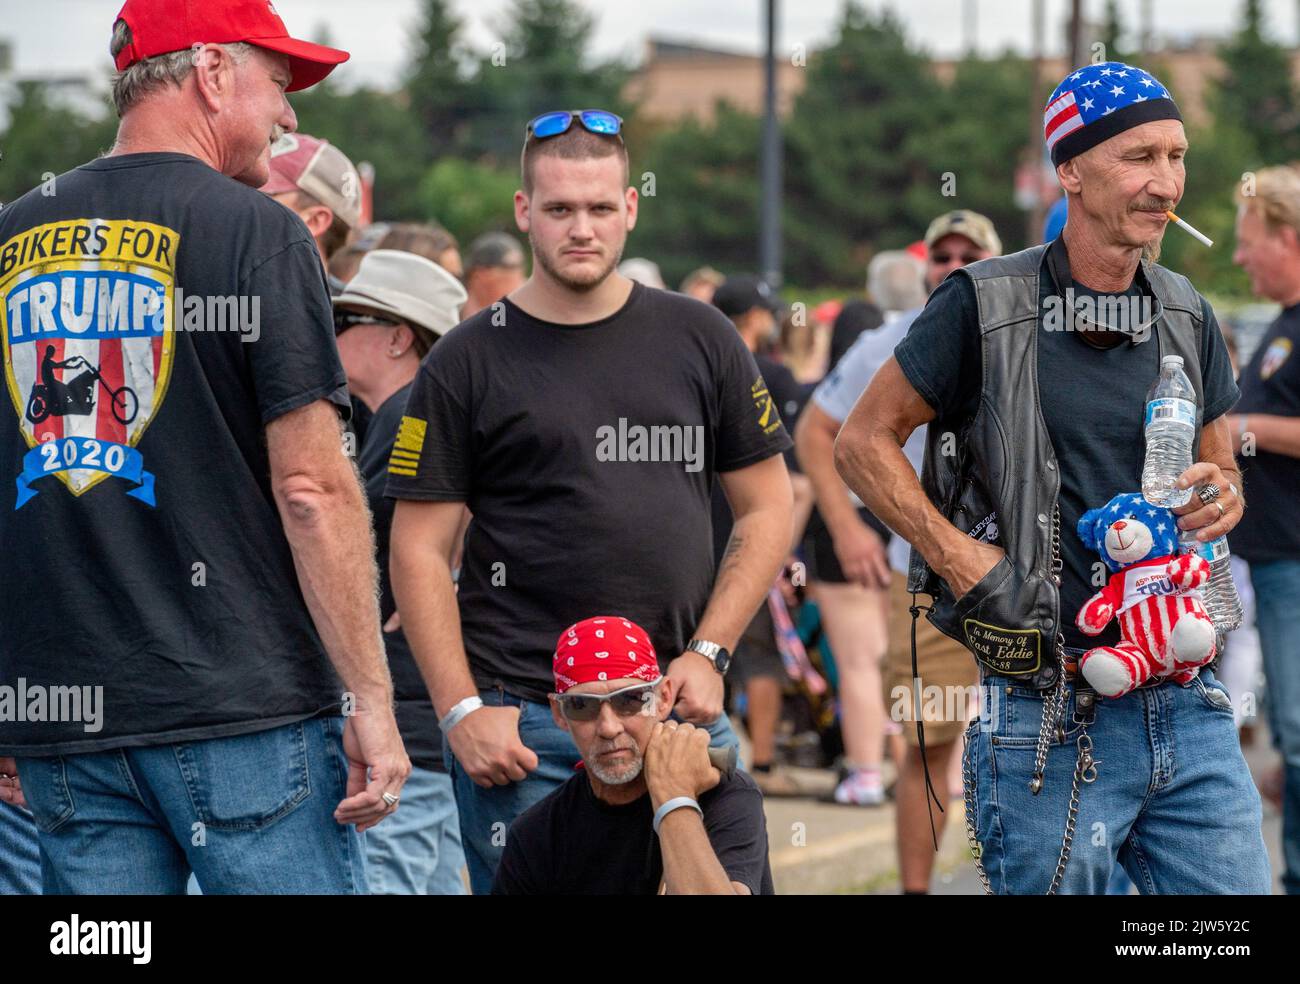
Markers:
point(715, 654)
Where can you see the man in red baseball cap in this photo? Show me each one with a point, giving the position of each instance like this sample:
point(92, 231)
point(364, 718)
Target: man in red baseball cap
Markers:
point(203, 471)
point(646, 812)
point(158, 27)
point(211, 74)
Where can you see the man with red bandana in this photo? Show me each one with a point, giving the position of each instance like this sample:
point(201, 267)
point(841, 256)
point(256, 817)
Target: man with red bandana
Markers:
point(646, 812)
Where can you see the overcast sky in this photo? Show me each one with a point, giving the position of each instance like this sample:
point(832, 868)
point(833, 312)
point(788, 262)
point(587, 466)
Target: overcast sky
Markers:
point(71, 36)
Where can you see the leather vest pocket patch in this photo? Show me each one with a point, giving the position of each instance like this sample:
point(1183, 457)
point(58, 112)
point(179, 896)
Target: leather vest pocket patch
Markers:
point(989, 622)
point(1011, 652)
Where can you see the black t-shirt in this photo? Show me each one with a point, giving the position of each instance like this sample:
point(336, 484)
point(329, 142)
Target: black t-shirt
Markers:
point(1270, 528)
point(546, 432)
point(416, 718)
point(572, 843)
point(1092, 401)
point(790, 397)
point(157, 566)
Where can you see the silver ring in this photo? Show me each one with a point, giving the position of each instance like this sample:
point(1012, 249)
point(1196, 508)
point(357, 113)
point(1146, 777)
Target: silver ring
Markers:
point(1208, 493)
point(390, 799)
point(1221, 510)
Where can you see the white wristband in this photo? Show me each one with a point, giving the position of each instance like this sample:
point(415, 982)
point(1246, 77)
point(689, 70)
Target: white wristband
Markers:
point(461, 711)
point(676, 803)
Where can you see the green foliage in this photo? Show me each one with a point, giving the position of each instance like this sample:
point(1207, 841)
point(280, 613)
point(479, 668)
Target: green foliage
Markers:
point(437, 79)
point(1256, 95)
point(705, 206)
point(852, 149)
point(867, 148)
point(540, 63)
point(468, 199)
point(44, 136)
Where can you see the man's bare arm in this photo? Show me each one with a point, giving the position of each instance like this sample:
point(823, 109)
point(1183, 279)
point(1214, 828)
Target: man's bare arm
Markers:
point(327, 523)
point(1271, 432)
point(691, 866)
point(425, 536)
point(803, 505)
point(858, 547)
point(869, 457)
point(1218, 466)
point(762, 502)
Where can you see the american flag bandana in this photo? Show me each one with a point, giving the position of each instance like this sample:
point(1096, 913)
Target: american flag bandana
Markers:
point(1096, 102)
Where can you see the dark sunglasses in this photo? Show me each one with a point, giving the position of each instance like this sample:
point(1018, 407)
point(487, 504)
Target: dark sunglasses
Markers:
point(626, 702)
point(343, 320)
point(966, 258)
point(593, 120)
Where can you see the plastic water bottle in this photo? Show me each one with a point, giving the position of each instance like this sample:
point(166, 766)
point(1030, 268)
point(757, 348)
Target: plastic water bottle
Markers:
point(1170, 430)
point(1219, 593)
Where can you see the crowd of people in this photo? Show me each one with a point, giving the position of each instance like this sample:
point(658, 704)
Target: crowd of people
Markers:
point(460, 571)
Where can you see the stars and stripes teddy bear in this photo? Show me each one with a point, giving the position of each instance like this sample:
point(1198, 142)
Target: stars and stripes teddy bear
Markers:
point(1153, 591)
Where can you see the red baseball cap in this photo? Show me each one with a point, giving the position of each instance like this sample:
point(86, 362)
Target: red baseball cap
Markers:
point(162, 26)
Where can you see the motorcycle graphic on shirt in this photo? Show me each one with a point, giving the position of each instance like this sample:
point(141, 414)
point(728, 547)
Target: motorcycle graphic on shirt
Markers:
point(77, 397)
point(86, 318)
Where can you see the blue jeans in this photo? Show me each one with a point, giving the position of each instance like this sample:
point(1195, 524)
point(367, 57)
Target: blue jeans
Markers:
point(1277, 615)
point(248, 814)
point(1173, 801)
point(417, 850)
point(20, 854)
point(486, 814)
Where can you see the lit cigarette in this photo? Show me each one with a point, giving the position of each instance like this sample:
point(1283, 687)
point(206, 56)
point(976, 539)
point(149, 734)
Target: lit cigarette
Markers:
point(1187, 227)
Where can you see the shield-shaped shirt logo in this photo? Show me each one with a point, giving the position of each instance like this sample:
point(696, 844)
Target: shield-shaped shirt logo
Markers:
point(86, 315)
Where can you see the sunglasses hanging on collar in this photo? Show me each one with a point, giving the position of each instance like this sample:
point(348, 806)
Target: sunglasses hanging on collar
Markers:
point(1058, 265)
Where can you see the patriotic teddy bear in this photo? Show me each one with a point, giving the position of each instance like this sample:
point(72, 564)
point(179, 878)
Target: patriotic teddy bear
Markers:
point(1165, 630)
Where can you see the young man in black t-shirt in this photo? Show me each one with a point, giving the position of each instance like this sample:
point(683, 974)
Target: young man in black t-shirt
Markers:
point(188, 550)
point(583, 419)
point(1266, 433)
point(646, 812)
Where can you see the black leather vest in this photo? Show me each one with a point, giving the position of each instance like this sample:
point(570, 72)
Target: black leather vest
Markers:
point(1002, 461)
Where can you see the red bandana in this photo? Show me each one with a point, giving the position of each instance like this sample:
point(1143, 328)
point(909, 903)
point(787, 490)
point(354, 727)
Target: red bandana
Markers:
point(606, 647)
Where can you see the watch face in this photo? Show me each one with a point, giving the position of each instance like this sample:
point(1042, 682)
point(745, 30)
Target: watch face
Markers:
point(722, 661)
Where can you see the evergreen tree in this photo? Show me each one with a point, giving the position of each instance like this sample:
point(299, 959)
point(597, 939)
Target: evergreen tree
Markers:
point(1256, 94)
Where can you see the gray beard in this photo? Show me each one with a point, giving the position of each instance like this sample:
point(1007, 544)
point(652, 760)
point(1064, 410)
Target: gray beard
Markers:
point(622, 777)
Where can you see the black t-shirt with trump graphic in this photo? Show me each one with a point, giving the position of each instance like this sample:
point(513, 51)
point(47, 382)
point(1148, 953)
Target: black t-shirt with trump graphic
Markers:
point(155, 316)
point(586, 454)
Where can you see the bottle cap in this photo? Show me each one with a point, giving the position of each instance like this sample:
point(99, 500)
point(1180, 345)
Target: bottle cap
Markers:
point(1172, 360)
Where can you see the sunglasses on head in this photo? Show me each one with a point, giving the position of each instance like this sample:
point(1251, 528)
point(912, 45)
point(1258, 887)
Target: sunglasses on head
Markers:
point(343, 320)
point(593, 120)
point(966, 258)
point(626, 702)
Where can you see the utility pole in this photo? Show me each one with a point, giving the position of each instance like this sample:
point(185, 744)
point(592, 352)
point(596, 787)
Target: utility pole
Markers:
point(770, 166)
point(1076, 35)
